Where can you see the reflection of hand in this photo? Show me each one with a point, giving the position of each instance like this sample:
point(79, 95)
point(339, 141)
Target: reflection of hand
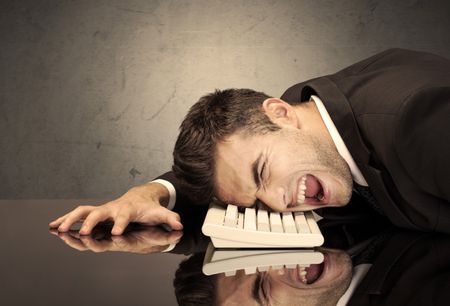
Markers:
point(140, 204)
point(144, 241)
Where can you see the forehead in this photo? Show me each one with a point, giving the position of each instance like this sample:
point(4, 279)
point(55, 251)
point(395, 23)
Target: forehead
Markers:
point(234, 158)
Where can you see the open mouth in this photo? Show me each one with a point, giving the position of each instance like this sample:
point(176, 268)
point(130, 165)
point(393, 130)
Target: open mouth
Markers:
point(310, 190)
point(309, 275)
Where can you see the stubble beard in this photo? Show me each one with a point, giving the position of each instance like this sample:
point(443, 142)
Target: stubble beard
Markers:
point(329, 157)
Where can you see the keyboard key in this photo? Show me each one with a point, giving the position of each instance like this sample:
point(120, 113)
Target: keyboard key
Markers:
point(216, 215)
point(276, 225)
point(277, 267)
point(291, 266)
point(260, 229)
point(301, 223)
point(250, 219)
point(230, 273)
point(240, 220)
point(304, 265)
point(231, 216)
point(312, 224)
point(262, 218)
point(288, 223)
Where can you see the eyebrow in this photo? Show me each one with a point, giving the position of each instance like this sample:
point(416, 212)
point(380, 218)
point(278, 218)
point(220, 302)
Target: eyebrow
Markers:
point(255, 171)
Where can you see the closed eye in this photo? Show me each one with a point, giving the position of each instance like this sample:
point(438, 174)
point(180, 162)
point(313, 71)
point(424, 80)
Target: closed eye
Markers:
point(264, 174)
point(261, 174)
point(259, 291)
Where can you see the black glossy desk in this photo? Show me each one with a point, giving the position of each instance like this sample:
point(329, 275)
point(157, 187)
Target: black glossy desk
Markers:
point(38, 268)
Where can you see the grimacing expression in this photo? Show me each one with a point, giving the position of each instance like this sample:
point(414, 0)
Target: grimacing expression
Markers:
point(284, 286)
point(297, 168)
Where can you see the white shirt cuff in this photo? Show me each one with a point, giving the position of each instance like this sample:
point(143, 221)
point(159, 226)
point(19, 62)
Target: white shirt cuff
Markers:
point(169, 248)
point(172, 192)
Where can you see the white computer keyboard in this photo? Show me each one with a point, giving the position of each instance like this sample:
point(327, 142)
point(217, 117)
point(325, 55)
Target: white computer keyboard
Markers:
point(258, 228)
point(218, 261)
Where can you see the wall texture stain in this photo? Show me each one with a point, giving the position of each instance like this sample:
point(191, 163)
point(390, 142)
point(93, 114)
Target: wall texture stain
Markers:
point(134, 172)
point(89, 89)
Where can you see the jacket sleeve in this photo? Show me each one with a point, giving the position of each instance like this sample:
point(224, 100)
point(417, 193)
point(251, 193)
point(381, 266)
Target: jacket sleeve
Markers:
point(183, 205)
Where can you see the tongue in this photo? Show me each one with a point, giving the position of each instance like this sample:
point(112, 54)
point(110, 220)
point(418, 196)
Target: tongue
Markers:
point(312, 186)
point(314, 272)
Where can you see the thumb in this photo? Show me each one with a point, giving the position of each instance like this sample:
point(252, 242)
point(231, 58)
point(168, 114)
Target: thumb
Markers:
point(172, 219)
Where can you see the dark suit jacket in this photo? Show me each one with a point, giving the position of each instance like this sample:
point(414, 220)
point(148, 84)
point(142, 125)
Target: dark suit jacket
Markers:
point(393, 112)
point(410, 269)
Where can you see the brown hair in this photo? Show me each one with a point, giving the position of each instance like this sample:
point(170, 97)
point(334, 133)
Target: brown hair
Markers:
point(192, 287)
point(213, 118)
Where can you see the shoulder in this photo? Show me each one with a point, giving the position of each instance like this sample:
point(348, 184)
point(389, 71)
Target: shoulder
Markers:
point(421, 138)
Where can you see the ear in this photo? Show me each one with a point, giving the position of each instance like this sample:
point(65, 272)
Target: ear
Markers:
point(280, 112)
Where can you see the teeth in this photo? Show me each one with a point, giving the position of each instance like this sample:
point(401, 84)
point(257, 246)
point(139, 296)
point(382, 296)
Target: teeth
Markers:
point(302, 274)
point(320, 197)
point(301, 190)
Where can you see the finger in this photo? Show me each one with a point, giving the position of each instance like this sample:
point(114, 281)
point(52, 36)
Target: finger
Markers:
point(173, 220)
point(93, 219)
point(120, 223)
point(135, 244)
point(174, 237)
point(120, 243)
point(79, 213)
point(157, 236)
point(56, 222)
point(75, 234)
point(95, 245)
point(72, 242)
point(170, 218)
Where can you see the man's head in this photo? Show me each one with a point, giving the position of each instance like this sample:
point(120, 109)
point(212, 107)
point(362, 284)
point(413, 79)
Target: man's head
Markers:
point(322, 285)
point(242, 146)
point(319, 284)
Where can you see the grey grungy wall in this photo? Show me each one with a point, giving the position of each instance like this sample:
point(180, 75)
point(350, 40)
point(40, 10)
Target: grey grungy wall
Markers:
point(92, 92)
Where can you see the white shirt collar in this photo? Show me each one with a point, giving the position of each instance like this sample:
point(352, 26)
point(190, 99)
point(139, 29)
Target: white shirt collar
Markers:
point(359, 272)
point(338, 142)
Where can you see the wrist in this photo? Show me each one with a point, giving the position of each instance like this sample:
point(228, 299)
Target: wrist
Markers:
point(172, 194)
point(157, 193)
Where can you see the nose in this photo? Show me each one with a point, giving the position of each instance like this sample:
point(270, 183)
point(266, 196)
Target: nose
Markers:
point(275, 198)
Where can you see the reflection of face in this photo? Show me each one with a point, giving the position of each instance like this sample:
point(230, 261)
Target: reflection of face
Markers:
point(285, 162)
point(285, 287)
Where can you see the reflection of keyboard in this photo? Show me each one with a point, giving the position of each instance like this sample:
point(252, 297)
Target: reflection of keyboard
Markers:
point(229, 261)
point(229, 228)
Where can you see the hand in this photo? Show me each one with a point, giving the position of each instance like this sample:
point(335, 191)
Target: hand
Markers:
point(143, 241)
point(140, 204)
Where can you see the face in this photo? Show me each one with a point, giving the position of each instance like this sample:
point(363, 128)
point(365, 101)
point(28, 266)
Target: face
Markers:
point(325, 284)
point(293, 169)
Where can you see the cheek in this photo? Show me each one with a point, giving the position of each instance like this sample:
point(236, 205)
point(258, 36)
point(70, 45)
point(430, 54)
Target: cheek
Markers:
point(292, 159)
point(283, 175)
point(286, 295)
point(301, 151)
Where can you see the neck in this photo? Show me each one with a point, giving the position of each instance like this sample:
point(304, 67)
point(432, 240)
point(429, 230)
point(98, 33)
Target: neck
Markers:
point(311, 120)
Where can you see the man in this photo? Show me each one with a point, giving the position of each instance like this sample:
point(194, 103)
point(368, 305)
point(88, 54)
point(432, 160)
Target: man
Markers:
point(325, 284)
point(390, 267)
point(381, 123)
